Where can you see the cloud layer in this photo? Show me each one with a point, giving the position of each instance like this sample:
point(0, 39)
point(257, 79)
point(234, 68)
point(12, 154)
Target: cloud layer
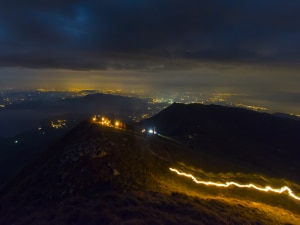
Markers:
point(147, 34)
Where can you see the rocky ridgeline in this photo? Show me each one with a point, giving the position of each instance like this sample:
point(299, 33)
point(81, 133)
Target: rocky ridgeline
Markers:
point(91, 148)
point(89, 160)
point(86, 162)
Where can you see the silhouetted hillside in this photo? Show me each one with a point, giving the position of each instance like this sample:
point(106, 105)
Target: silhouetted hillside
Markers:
point(262, 140)
point(287, 116)
point(90, 163)
point(20, 150)
point(103, 175)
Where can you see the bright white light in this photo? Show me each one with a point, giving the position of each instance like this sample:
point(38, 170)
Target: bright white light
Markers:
point(228, 184)
point(150, 131)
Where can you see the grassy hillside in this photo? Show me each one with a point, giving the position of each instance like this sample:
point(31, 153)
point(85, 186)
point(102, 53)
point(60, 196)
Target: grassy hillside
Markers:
point(102, 175)
point(262, 142)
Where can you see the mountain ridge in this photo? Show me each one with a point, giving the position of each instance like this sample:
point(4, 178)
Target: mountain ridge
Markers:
point(104, 175)
point(265, 140)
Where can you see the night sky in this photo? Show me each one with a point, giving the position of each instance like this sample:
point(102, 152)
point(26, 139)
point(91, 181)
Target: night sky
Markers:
point(232, 46)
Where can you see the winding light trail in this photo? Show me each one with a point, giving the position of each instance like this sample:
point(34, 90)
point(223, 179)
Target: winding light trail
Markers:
point(228, 184)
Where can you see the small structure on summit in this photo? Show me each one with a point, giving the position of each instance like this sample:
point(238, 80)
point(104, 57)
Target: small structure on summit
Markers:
point(105, 121)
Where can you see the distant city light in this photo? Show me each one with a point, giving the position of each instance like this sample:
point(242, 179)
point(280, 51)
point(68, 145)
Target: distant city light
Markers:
point(59, 124)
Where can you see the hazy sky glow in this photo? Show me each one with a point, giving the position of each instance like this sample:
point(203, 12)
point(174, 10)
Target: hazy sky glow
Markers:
point(246, 47)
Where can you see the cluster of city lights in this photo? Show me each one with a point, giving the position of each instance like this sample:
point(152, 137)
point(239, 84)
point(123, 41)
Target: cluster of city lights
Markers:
point(255, 108)
point(58, 124)
point(250, 186)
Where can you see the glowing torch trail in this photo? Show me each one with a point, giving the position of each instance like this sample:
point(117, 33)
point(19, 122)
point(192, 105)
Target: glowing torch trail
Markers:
point(250, 186)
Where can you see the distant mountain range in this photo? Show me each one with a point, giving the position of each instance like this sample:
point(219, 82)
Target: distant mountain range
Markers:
point(103, 175)
point(83, 104)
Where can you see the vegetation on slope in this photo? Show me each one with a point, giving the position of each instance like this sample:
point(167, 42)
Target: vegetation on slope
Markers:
point(102, 175)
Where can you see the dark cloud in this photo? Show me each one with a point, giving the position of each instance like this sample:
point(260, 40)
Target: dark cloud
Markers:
point(137, 34)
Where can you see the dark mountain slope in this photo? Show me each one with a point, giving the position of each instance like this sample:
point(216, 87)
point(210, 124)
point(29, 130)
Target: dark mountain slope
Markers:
point(21, 149)
point(286, 116)
point(101, 175)
point(178, 118)
point(265, 142)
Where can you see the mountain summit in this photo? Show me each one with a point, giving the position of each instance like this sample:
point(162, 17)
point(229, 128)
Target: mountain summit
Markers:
point(104, 175)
